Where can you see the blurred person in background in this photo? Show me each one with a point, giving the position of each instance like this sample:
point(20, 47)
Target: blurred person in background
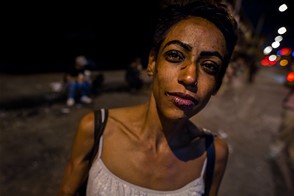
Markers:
point(154, 148)
point(282, 149)
point(78, 81)
point(133, 74)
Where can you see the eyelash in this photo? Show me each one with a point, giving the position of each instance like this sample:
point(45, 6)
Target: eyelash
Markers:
point(174, 56)
point(209, 66)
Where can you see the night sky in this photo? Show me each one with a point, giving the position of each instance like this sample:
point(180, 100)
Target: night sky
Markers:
point(266, 19)
point(41, 37)
point(45, 37)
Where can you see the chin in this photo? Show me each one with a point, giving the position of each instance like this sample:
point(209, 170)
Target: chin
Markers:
point(175, 113)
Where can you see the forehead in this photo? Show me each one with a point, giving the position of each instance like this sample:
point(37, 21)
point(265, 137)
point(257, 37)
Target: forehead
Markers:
point(199, 32)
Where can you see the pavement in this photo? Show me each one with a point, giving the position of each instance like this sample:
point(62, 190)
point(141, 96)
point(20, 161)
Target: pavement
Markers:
point(37, 129)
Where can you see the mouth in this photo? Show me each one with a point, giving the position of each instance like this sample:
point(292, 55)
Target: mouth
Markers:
point(182, 99)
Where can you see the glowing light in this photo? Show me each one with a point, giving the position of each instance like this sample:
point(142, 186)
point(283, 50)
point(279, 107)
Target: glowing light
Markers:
point(284, 62)
point(267, 62)
point(279, 38)
point(278, 57)
point(275, 44)
point(272, 57)
point(283, 7)
point(282, 30)
point(284, 52)
point(290, 76)
point(267, 50)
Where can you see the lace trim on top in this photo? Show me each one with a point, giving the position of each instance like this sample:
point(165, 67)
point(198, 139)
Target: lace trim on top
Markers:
point(103, 182)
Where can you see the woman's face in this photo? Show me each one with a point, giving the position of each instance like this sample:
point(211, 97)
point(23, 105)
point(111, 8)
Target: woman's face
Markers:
point(185, 70)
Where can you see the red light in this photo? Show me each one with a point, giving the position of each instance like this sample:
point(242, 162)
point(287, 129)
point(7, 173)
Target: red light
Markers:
point(290, 76)
point(285, 51)
point(266, 62)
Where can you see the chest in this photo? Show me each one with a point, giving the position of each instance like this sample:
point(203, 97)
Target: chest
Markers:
point(143, 167)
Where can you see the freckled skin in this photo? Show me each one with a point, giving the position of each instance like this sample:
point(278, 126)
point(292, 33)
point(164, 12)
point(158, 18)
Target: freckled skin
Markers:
point(201, 35)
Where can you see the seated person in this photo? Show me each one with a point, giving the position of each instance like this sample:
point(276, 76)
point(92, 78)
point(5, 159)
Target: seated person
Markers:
point(78, 82)
point(133, 75)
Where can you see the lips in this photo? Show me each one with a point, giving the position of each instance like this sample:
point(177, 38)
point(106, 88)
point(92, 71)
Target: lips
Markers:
point(182, 99)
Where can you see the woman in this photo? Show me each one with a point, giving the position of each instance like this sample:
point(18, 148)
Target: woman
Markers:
point(153, 148)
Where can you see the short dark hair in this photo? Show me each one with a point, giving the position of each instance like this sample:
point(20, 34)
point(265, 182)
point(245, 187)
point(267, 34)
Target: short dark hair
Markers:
point(217, 13)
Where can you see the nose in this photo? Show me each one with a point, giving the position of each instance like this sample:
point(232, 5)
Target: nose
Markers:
point(188, 76)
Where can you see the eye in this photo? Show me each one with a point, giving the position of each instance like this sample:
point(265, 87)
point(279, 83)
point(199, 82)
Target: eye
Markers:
point(210, 67)
point(174, 56)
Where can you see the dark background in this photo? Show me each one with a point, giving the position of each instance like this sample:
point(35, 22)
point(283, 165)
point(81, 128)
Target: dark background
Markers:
point(266, 19)
point(45, 36)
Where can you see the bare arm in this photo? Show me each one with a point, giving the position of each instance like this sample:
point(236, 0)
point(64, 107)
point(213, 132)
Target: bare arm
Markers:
point(77, 167)
point(221, 159)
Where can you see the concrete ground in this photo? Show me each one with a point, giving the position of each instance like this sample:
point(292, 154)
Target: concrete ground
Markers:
point(37, 130)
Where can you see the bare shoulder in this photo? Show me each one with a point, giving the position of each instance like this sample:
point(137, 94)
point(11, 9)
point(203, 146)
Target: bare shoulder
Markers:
point(84, 137)
point(221, 149)
point(86, 124)
point(221, 159)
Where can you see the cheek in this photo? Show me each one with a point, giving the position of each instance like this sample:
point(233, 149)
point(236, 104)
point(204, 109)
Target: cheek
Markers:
point(165, 76)
point(162, 80)
point(205, 91)
point(206, 86)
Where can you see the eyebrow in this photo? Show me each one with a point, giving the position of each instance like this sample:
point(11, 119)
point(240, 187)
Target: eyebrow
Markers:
point(189, 48)
point(177, 42)
point(211, 53)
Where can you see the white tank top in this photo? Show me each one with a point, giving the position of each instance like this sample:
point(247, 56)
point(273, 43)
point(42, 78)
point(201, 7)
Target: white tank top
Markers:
point(103, 182)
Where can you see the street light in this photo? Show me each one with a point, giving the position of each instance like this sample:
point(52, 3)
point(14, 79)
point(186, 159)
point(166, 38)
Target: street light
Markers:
point(283, 7)
point(282, 30)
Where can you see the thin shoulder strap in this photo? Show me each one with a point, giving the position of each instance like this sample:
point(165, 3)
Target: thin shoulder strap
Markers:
point(100, 119)
point(99, 125)
point(210, 162)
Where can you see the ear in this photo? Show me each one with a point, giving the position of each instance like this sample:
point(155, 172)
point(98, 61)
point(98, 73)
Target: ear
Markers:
point(151, 64)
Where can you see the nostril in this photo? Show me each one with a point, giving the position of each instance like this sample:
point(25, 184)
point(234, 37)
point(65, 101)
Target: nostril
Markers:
point(195, 83)
point(191, 86)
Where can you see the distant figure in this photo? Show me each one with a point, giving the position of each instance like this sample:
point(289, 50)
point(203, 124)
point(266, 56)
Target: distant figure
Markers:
point(282, 149)
point(78, 81)
point(133, 75)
